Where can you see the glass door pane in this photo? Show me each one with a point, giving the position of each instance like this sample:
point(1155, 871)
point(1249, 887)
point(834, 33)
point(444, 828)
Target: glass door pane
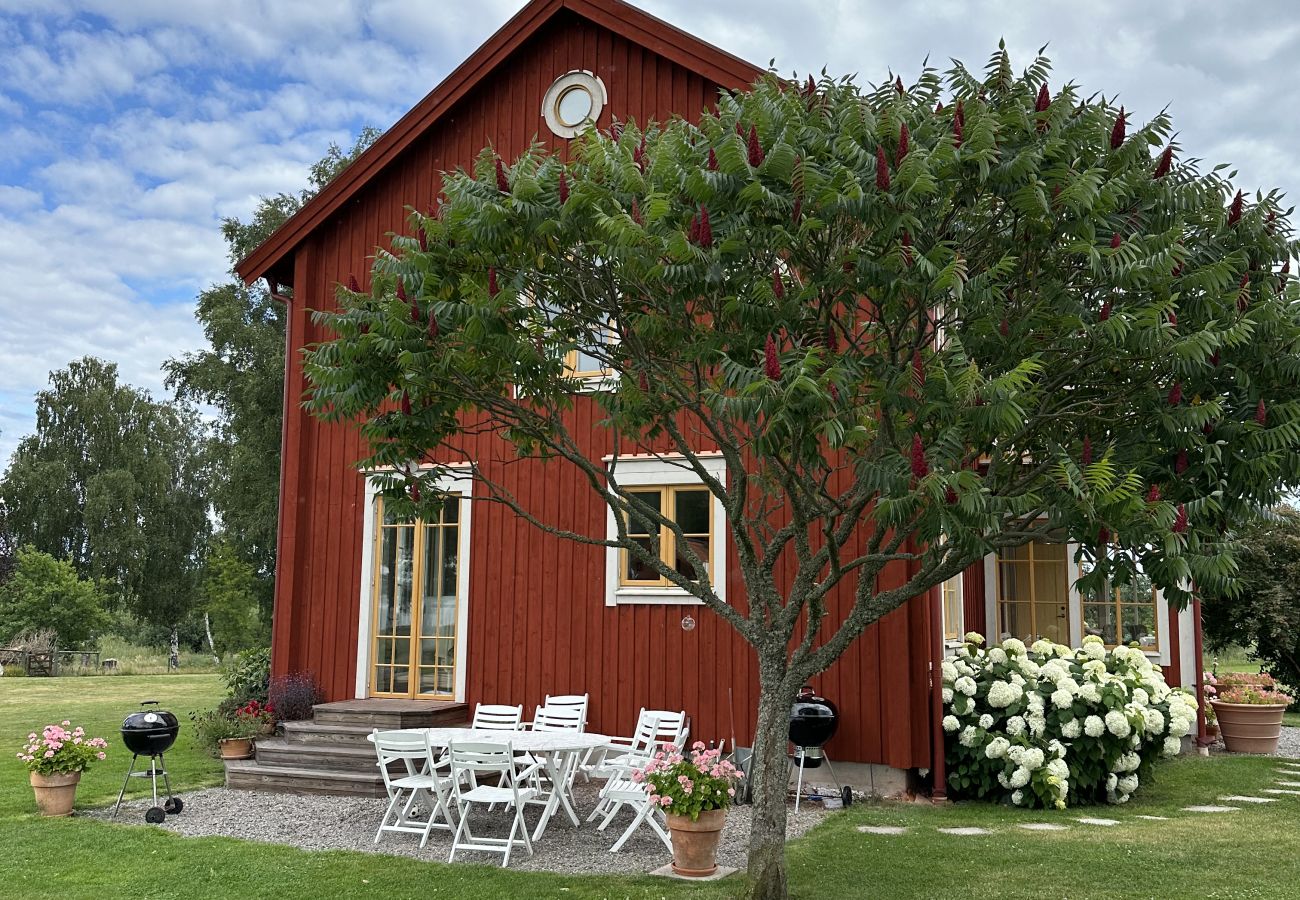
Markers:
point(394, 608)
point(439, 602)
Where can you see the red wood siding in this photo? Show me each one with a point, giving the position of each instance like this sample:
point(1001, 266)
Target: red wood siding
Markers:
point(537, 619)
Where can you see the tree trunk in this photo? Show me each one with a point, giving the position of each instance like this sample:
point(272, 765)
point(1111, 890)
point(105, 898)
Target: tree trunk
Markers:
point(207, 628)
point(769, 780)
point(174, 651)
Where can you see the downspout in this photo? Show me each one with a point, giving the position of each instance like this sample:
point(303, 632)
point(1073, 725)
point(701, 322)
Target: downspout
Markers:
point(1198, 665)
point(939, 790)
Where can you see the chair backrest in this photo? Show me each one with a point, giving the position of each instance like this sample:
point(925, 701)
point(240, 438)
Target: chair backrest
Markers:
point(670, 727)
point(410, 748)
point(558, 718)
point(497, 718)
point(472, 759)
point(559, 713)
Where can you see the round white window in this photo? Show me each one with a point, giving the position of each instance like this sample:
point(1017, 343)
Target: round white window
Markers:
point(573, 102)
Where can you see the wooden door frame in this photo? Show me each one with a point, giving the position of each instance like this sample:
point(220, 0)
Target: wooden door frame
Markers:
point(458, 483)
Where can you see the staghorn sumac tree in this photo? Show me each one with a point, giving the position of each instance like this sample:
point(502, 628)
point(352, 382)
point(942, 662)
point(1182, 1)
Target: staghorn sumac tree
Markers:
point(900, 315)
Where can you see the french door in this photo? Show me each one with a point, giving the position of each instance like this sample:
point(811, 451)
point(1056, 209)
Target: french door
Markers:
point(416, 605)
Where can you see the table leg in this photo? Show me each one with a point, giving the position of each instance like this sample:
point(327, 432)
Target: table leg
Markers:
point(558, 763)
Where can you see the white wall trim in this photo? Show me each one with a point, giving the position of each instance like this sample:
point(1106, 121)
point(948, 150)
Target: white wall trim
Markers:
point(654, 471)
point(459, 482)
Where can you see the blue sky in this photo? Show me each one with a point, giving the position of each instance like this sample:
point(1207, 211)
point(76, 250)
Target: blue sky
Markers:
point(130, 128)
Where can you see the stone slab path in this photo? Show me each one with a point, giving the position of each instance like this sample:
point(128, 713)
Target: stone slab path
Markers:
point(1285, 791)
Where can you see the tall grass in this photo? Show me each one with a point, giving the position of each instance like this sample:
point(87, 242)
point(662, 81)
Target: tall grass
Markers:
point(136, 659)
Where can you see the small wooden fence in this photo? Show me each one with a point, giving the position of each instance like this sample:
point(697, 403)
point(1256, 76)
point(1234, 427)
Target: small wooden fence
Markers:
point(47, 663)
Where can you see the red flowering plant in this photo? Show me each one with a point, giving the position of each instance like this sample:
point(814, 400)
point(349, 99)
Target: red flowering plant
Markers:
point(1255, 690)
point(258, 716)
point(60, 749)
point(687, 785)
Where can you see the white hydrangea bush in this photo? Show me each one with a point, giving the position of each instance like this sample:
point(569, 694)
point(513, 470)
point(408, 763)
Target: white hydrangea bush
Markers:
point(1050, 726)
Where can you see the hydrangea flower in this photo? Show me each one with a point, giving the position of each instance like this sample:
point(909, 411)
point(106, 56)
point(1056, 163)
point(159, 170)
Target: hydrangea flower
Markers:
point(986, 721)
point(950, 723)
point(1071, 729)
point(1015, 726)
point(1094, 726)
point(1003, 693)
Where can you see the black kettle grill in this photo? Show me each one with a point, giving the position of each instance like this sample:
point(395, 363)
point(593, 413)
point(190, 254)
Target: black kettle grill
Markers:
point(151, 733)
point(813, 722)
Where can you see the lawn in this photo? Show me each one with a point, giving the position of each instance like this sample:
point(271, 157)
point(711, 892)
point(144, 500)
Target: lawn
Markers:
point(1181, 857)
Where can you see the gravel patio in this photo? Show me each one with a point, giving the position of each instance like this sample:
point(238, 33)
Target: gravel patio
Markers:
point(314, 822)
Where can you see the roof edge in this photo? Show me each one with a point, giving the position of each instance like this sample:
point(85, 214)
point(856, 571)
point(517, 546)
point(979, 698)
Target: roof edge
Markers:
point(618, 16)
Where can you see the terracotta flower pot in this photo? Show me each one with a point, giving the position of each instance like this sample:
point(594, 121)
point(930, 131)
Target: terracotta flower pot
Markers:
point(267, 728)
point(695, 843)
point(55, 793)
point(236, 748)
point(1249, 727)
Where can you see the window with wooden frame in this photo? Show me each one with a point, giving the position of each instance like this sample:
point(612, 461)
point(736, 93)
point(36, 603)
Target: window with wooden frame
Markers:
point(691, 508)
point(1033, 592)
point(951, 591)
point(1123, 613)
point(670, 484)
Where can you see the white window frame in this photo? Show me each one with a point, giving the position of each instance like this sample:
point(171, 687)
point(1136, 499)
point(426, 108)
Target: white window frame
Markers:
point(948, 642)
point(460, 481)
point(1075, 607)
point(665, 471)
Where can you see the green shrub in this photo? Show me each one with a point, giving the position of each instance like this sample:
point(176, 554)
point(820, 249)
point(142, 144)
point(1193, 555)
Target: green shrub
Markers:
point(248, 675)
point(1050, 725)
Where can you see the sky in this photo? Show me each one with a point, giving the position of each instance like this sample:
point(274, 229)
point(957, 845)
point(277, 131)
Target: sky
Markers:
point(129, 130)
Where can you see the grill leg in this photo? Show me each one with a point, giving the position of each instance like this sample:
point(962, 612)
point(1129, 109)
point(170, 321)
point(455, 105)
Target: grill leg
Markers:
point(153, 777)
point(798, 785)
point(167, 781)
point(831, 769)
point(122, 793)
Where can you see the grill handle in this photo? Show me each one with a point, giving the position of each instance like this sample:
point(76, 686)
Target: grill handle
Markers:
point(148, 702)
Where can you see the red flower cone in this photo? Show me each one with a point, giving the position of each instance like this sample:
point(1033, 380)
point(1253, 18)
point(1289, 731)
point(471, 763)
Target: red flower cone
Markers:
point(713, 160)
point(352, 284)
point(1180, 520)
point(1105, 312)
point(503, 183)
point(904, 144)
point(950, 496)
point(706, 230)
point(1261, 413)
point(1004, 327)
point(1117, 133)
point(1166, 163)
point(1176, 394)
point(636, 213)
point(1234, 211)
point(1115, 241)
point(564, 189)
point(406, 404)
point(1044, 99)
point(1180, 463)
point(882, 168)
point(493, 287)
point(1086, 457)
point(1153, 495)
point(771, 362)
point(898, 84)
point(755, 148)
point(920, 468)
point(778, 286)
point(415, 492)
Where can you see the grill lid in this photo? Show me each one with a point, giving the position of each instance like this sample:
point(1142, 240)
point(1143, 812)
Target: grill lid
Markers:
point(813, 719)
point(150, 731)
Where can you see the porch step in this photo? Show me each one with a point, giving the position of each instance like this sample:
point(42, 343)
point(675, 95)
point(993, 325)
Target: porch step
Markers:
point(391, 713)
point(322, 756)
point(255, 775)
point(309, 732)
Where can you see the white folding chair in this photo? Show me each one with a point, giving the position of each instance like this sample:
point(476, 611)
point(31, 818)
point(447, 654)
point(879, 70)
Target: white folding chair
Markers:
point(622, 790)
point(654, 727)
point(411, 751)
point(495, 717)
point(564, 706)
point(471, 757)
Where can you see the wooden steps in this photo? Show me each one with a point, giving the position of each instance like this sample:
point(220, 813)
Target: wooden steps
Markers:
point(329, 753)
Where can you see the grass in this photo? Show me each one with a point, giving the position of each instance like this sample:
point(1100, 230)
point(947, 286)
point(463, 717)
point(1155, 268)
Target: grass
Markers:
point(1189, 856)
point(1252, 853)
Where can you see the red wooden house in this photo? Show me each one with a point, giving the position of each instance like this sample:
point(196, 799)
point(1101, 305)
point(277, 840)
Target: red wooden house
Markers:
point(481, 606)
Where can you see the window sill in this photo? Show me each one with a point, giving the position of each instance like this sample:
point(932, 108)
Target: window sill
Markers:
point(593, 384)
point(663, 596)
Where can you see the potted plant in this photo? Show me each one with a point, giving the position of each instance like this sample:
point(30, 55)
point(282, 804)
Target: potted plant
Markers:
point(55, 760)
point(1249, 711)
point(229, 735)
point(694, 792)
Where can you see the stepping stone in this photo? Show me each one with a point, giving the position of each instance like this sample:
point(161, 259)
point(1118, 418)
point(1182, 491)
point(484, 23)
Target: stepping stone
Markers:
point(1280, 791)
point(1043, 826)
point(1153, 818)
point(1106, 822)
point(882, 829)
point(1245, 799)
point(1211, 809)
point(1288, 783)
point(964, 831)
